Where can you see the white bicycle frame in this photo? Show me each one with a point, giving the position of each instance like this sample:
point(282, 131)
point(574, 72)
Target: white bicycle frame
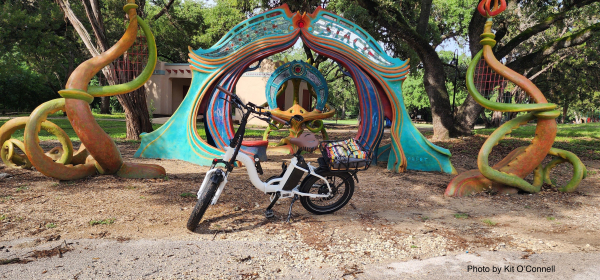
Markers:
point(273, 186)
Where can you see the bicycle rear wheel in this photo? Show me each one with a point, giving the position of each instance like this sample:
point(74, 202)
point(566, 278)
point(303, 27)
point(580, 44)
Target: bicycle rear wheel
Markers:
point(342, 188)
point(204, 200)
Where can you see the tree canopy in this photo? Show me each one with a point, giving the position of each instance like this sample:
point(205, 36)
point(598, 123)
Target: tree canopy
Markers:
point(553, 42)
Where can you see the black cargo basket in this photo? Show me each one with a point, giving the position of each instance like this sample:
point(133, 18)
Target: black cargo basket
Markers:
point(345, 163)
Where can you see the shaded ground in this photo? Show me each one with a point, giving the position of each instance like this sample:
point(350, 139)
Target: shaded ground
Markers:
point(391, 217)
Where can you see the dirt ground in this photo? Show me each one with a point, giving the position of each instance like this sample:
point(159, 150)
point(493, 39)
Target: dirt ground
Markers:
point(391, 217)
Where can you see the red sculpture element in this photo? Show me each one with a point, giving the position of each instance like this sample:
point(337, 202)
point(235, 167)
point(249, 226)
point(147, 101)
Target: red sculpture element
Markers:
point(486, 11)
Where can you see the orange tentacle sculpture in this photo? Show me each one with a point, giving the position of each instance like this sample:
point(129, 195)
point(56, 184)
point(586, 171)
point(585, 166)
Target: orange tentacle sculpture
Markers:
point(105, 156)
point(507, 175)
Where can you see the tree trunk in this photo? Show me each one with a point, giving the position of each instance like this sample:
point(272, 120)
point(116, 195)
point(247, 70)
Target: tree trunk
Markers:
point(486, 121)
point(136, 113)
point(134, 103)
point(137, 116)
point(466, 116)
point(434, 80)
point(467, 113)
point(496, 119)
point(565, 111)
point(105, 105)
point(434, 75)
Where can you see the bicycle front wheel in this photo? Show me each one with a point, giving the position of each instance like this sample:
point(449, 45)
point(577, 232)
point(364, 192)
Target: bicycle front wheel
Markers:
point(342, 188)
point(204, 200)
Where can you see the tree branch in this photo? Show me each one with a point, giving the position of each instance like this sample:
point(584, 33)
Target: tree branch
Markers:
point(308, 52)
point(95, 16)
point(543, 25)
point(531, 60)
point(475, 29)
point(163, 10)
point(424, 16)
point(85, 36)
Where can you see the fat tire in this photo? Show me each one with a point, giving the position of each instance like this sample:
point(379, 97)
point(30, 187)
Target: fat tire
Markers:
point(345, 181)
point(202, 204)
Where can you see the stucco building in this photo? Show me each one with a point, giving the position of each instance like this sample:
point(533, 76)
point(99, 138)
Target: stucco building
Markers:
point(170, 84)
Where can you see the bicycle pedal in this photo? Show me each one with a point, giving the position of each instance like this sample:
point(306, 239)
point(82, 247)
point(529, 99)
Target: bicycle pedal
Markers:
point(269, 213)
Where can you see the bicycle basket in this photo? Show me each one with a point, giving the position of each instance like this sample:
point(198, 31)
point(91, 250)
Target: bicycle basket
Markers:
point(345, 155)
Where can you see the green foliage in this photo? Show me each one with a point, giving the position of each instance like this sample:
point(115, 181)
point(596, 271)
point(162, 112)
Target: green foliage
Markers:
point(413, 90)
point(117, 129)
point(50, 225)
point(574, 82)
point(37, 52)
point(187, 194)
point(565, 131)
point(581, 139)
point(489, 222)
point(109, 221)
point(219, 19)
point(461, 215)
point(21, 88)
point(191, 23)
point(343, 96)
point(115, 106)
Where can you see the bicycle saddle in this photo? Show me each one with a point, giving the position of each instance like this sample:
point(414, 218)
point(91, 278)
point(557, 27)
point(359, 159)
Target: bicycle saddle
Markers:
point(305, 142)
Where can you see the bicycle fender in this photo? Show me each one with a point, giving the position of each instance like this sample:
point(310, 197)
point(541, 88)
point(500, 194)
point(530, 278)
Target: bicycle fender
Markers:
point(219, 191)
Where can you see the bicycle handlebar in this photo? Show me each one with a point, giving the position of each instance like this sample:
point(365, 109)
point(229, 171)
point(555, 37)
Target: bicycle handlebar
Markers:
point(280, 120)
point(252, 107)
point(226, 91)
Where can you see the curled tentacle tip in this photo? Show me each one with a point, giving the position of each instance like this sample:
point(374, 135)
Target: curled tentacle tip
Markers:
point(487, 10)
point(129, 6)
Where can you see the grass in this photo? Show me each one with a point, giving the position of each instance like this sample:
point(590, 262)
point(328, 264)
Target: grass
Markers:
point(111, 116)
point(581, 139)
point(5, 198)
point(461, 215)
point(489, 222)
point(344, 122)
point(51, 225)
point(60, 114)
point(102, 222)
point(565, 131)
point(187, 194)
point(424, 218)
point(2, 217)
point(118, 130)
point(414, 246)
point(22, 188)
point(550, 218)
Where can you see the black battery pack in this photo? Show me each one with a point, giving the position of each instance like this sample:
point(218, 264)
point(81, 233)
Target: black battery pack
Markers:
point(294, 179)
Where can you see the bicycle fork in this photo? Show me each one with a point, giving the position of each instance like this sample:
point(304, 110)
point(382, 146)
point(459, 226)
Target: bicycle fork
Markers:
point(214, 176)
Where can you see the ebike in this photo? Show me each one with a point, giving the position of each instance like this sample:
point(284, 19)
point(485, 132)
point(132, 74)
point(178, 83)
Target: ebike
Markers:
point(326, 189)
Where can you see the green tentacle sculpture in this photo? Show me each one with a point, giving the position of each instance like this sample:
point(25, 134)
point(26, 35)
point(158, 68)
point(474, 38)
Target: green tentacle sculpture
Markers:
point(507, 175)
point(105, 157)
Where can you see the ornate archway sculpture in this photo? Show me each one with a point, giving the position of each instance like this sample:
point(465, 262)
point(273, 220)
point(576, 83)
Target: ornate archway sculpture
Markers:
point(378, 78)
point(298, 71)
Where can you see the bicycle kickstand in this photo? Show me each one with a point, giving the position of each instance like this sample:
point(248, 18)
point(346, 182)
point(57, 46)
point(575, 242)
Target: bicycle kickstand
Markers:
point(290, 211)
point(269, 211)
